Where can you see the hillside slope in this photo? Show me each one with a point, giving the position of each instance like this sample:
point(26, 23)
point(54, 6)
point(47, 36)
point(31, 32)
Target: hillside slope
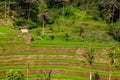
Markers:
point(60, 49)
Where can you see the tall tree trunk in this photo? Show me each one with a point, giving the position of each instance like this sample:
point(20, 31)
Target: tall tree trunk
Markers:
point(63, 11)
point(5, 9)
point(8, 8)
point(87, 11)
point(90, 72)
point(17, 6)
point(110, 73)
point(29, 12)
point(119, 14)
point(27, 71)
point(43, 29)
point(113, 14)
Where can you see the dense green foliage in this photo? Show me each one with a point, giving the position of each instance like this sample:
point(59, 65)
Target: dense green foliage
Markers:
point(30, 9)
point(60, 31)
point(114, 31)
point(15, 75)
point(36, 13)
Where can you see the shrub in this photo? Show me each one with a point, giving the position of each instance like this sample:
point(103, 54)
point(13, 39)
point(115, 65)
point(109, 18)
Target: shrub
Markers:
point(32, 39)
point(19, 22)
point(38, 33)
point(23, 22)
point(31, 25)
point(51, 37)
point(81, 31)
point(51, 19)
point(114, 31)
point(51, 29)
point(66, 37)
point(69, 11)
point(15, 75)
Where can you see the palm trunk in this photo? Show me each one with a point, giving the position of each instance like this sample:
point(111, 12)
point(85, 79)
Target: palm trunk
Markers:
point(8, 8)
point(63, 12)
point(113, 15)
point(87, 11)
point(5, 9)
point(29, 12)
point(110, 73)
point(90, 72)
point(43, 30)
point(17, 7)
point(27, 71)
point(119, 14)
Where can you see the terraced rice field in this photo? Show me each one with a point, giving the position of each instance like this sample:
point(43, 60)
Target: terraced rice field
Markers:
point(64, 58)
point(66, 63)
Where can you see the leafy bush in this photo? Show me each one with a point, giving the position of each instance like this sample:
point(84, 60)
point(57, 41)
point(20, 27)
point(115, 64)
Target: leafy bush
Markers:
point(69, 11)
point(15, 75)
point(54, 3)
point(51, 19)
point(51, 29)
point(51, 37)
point(114, 31)
point(31, 25)
point(66, 37)
point(38, 33)
point(81, 31)
point(19, 22)
point(32, 39)
point(23, 22)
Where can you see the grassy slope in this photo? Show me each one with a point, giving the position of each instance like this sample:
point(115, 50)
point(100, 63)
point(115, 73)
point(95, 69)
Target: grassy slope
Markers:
point(94, 30)
point(70, 26)
point(7, 34)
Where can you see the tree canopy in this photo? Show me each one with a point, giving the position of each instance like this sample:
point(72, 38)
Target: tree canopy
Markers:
point(108, 10)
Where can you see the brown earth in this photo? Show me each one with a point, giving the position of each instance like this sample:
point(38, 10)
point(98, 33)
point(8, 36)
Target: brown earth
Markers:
point(55, 63)
point(50, 56)
point(58, 71)
point(5, 22)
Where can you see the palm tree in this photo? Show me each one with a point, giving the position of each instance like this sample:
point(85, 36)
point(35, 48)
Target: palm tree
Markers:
point(89, 56)
point(5, 9)
point(8, 8)
point(43, 19)
point(43, 14)
point(28, 71)
point(63, 11)
point(113, 6)
point(46, 75)
point(30, 2)
point(111, 57)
